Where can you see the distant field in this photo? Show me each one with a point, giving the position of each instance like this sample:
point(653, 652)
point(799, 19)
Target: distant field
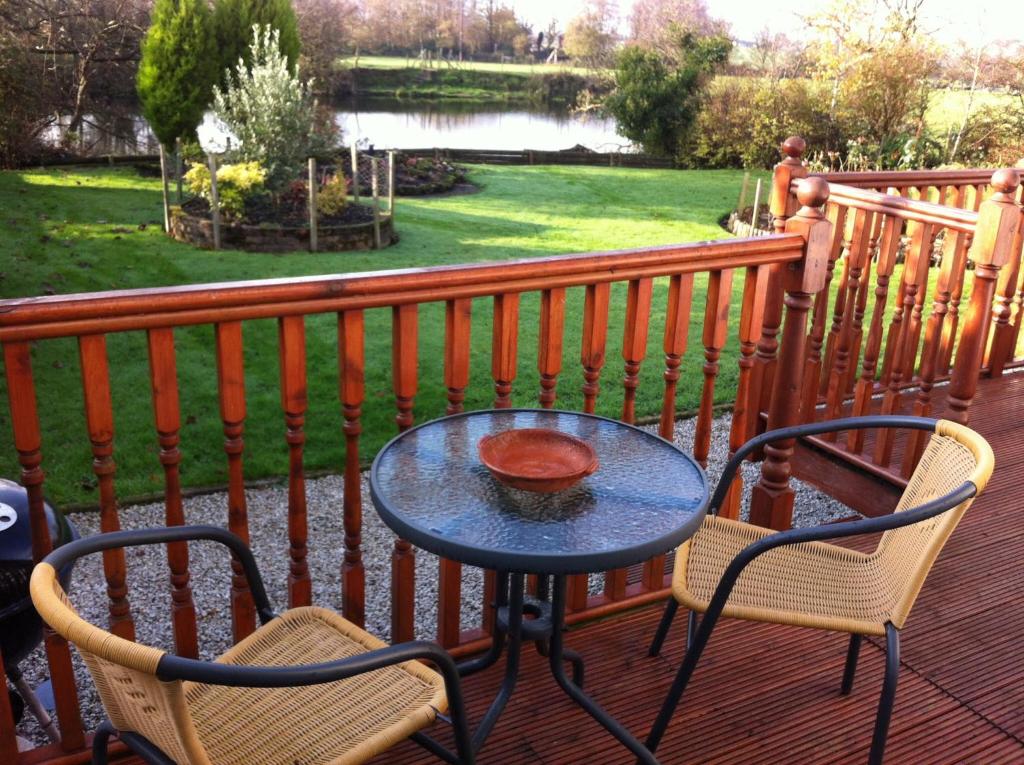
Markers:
point(947, 106)
point(399, 62)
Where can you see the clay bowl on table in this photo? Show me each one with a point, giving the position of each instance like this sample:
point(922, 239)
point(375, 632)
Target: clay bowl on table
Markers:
point(537, 459)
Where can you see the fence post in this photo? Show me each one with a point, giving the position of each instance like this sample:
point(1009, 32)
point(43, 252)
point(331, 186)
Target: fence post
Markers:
point(756, 210)
point(783, 204)
point(214, 202)
point(163, 189)
point(311, 204)
point(998, 222)
point(391, 187)
point(743, 193)
point(375, 188)
point(772, 499)
point(177, 166)
point(1004, 341)
point(355, 173)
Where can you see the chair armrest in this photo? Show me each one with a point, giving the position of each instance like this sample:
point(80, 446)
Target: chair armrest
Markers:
point(833, 531)
point(78, 548)
point(809, 429)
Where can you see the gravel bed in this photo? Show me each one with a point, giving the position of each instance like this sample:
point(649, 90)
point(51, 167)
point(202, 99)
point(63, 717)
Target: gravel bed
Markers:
point(209, 564)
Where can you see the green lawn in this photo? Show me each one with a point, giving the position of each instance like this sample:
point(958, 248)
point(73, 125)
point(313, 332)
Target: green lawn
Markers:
point(399, 62)
point(946, 107)
point(95, 229)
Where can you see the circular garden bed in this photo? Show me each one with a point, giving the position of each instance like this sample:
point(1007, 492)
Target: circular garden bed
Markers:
point(265, 229)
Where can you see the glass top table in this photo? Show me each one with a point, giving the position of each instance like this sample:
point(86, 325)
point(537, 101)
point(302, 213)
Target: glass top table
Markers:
point(647, 497)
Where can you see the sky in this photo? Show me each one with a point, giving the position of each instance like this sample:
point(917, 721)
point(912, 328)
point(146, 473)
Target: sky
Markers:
point(974, 21)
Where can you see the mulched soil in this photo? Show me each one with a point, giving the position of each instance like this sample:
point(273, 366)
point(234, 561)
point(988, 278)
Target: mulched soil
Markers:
point(261, 210)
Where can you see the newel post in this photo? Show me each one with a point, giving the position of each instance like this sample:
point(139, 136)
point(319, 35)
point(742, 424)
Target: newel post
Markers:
point(783, 205)
point(772, 499)
point(998, 220)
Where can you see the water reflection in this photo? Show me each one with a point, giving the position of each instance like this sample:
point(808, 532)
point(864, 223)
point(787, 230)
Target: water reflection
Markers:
point(384, 123)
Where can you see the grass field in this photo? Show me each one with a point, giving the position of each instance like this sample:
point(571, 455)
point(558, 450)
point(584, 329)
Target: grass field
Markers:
point(399, 62)
point(947, 107)
point(95, 229)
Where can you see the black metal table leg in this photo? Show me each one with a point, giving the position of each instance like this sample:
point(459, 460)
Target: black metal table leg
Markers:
point(489, 659)
point(558, 654)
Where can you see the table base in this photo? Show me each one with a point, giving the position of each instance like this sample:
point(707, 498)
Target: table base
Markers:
point(545, 629)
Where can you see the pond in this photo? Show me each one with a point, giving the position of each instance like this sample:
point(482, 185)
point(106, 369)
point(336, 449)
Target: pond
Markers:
point(393, 124)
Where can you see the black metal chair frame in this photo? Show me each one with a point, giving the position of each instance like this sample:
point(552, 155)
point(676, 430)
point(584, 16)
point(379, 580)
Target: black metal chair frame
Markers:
point(178, 668)
point(699, 631)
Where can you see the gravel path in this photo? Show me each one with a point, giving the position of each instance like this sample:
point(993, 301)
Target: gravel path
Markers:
point(147, 568)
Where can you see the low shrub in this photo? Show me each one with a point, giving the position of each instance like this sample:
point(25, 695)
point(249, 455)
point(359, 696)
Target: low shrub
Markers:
point(236, 185)
point(332, 198)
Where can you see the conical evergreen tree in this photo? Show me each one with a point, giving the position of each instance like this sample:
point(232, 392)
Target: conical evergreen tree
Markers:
point(233, 22)
point(178, 69)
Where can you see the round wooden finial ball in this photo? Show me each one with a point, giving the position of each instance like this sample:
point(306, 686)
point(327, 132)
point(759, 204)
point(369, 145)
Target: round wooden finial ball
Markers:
point(794, 146)
point(1006, 180)
point(812, 192)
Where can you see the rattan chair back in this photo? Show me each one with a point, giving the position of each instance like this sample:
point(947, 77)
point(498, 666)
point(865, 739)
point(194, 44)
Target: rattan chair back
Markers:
point(954, 454)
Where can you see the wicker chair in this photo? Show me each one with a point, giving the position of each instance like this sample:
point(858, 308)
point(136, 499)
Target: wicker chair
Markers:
point(794, 577)
point(306, 687)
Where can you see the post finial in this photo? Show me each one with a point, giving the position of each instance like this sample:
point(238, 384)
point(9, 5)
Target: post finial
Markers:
point(794, 147)
point(1006, 180)
point(812, 193)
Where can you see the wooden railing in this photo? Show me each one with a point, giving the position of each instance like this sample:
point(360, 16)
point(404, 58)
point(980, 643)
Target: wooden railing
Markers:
point(872, 341)
point(162, 314)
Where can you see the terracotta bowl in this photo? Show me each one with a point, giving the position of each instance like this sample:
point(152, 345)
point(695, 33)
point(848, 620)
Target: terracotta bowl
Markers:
point(537, 459)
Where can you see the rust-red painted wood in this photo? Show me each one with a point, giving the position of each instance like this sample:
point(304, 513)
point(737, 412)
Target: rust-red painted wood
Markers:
point(8, 737)
point(634, 341)
point(294, 400)
point(231, 390)
point(844, 238)
point(963, 244)
point(677, 330)
point(716, 327)
point(860, 306)
point(549, 343)
point(352, 392)
point(504, 347)
point(99, 419)
point(163, 378)
point(404, 370)
point(595, 336)
point(1001, 347)
point(21, 396)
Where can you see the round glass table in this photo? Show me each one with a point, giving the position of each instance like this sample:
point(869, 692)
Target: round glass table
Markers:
point(647, 497)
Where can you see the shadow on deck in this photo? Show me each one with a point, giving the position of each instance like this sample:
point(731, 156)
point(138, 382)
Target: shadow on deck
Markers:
point(765, 693)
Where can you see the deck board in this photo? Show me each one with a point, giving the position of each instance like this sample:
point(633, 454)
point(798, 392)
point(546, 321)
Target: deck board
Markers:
point(766, 693)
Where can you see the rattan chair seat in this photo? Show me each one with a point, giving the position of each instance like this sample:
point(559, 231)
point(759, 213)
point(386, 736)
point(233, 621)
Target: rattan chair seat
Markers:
point(343, 722)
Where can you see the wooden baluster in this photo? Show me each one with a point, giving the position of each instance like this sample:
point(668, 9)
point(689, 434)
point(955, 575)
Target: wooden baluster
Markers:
point(1018, 316)
point(549, 344)
point(677, 330)
point(99, 418)
point(839, 312)
point(634, 341)
point(1001, 348)
point(772, 498)
point(998, 221)
point(8, 731)
point(783, 205)
point(860, 306)
point(292, 355)
point(915, 272)
point(595, 334)
point(911, 347)
point(815, 340)
point(754, 288)
point(504, 347)
point(163, 378)
point(895, 328)
point(457, 323)
point(231, 390)
point(949, 329)
point(856, 256)
point(404, 349)
point(865, 387)
point(634, 351)
point(352, 393)
point(21, 396)
point(716, 329)
point(930, 356)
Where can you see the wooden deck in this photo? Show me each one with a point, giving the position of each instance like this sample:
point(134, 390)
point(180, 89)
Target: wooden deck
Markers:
point(765, 693)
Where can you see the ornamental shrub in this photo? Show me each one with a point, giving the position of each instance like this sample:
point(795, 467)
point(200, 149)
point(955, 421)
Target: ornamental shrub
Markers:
point(234, 22)
point(178, 68)
point(236, 184)
point(270, 112)
point(332, 197)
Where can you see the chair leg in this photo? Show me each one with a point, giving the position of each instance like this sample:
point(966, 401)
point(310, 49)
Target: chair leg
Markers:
point(888, 698)
point(100, 740)
point(663, 626)
point(851, 664)
point(691, 629)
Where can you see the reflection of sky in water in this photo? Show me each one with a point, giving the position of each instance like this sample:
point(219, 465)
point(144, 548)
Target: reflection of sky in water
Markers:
point(389, 124)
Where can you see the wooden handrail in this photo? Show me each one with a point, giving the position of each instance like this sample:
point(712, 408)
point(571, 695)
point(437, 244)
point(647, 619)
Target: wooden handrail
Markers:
point(907, 209)
point(902, 178)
